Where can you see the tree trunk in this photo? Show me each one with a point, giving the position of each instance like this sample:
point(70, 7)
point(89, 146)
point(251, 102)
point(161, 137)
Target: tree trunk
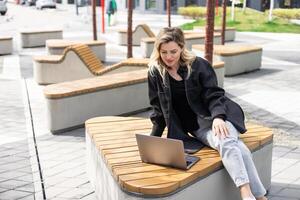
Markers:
point(209, 38)
point(271, 10)
point(223, 22)
point(169, 12)
point(94, 20)
point(129, 29)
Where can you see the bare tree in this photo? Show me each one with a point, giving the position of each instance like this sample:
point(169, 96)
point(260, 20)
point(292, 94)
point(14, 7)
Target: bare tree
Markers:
point(271, 10)
point(129, 29)
point(209, 37)
point(169, 12)
point(223, 22)
point(94, 20)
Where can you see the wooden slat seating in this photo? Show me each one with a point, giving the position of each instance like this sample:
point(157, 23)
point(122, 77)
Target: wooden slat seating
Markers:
point(77, 62)
point(229, 32)
point(6, 45)
point(238, 58)
point(57, 47)
point(147, 44)
point(114, 162)
point(140, 31)
point(70, 104)
point(37, 38)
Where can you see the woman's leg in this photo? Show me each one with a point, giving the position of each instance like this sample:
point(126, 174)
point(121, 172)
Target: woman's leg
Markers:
point(256, 185)
point(232, 157)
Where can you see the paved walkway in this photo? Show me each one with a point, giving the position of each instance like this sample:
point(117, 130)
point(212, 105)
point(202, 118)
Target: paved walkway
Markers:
point(34, 164)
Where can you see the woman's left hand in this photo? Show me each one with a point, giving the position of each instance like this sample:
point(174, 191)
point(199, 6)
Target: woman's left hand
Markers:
point(219, 128)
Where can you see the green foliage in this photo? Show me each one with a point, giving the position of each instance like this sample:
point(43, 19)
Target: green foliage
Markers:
point(287, 13)
point(251, 20)
point(193, 12)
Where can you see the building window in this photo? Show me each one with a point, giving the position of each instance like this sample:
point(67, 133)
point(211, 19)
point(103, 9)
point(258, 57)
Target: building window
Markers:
point(287, 3)
point(150, 4)
point(173, 5)
point(191, 2)
point(135, 4)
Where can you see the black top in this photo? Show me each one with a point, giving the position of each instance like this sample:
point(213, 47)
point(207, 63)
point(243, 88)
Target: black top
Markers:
point(186, 115)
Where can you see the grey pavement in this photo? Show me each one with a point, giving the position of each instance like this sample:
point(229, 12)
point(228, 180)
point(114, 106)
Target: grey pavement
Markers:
point(34, 164)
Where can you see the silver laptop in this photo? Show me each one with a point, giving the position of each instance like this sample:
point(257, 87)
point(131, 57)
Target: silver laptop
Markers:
point(164, 151)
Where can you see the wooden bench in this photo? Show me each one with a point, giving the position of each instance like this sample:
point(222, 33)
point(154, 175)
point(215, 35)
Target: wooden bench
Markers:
point(229, 32)
point(147, 44)
point(116, 172)
point(57, 47)
point(6, 45)
point(37, 38)
point(70, 104)
point(77, 62)
point(238, 59)
point(140, 31)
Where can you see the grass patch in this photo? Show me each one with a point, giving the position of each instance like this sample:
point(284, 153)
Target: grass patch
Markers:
point(251, 20)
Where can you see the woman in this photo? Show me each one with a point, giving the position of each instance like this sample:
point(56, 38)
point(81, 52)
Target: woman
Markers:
point(184, 95)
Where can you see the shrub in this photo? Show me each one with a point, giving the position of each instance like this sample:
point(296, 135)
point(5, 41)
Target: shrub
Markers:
point(193, 12)
point(287, 13)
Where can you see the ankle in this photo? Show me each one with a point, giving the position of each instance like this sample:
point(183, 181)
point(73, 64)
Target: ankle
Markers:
point(246, 193)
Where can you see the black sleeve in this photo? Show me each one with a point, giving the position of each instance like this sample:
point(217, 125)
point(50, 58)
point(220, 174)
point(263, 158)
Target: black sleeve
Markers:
point(213, 96)
point(156, 116)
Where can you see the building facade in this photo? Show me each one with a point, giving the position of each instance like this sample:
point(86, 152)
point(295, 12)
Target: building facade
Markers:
point(159, 6)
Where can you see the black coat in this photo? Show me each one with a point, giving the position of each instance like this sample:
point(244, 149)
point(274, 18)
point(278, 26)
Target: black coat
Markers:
point(204, 96)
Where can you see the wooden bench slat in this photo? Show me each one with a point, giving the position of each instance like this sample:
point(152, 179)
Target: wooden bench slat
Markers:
point(115, 138)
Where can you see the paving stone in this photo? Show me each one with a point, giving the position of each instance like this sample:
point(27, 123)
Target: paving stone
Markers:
point(73, 183)
point(26, 188)
point(76, 193)
point(12, 184)
point(3, 189)
point(91, 196)
point(29, 197)
point(13, 194)
point(275, 188)
point(282, 198)
point(52, 192)
point(289, 192)
point(12, 174)
point(291, 173)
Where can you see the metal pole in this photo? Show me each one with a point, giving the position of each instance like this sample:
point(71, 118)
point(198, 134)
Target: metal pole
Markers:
point(169, 12)
point(129, 29)
point(103, 14)
point(94, 20)
point(224, 22)
point(209, 38)
point(76, 6)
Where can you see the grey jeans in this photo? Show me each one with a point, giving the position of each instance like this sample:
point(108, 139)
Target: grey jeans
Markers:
point(236, 157)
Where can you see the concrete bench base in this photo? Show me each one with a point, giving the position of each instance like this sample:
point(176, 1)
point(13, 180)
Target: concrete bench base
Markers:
point(215, 186)
point(242, 63)
point(229, 32)
point(72, 68)
point(56, 47)
point(141, 31)
point(6, 45)
point(115, 94)
point(147, 44)
point(237, 59)
point(38, 38)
